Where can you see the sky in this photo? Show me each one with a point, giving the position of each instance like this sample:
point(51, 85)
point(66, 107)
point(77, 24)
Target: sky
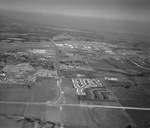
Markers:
point(132, 10)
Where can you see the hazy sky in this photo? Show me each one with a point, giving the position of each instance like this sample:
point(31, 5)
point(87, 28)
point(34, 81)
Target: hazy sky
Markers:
point(110, 9)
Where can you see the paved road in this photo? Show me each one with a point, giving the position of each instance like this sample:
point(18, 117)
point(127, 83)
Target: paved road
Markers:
point(140, 65)
point(75, 105)
point(59, 78)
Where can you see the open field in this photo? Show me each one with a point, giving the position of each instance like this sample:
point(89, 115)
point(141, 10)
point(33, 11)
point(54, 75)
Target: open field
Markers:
point(141, 118)
point(43, 91)
point(116, 118)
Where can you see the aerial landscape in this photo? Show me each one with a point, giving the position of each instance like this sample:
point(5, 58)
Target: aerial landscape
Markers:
point(59, 77)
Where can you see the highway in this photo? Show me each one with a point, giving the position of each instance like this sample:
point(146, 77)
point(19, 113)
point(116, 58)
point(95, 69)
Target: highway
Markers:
point(74, 105)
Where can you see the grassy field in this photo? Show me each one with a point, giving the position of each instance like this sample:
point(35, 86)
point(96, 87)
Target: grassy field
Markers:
point(9, 114)
point(112, 118)
point(9, 123)
point(73, 117)
point(130, 94)
point(12, 109)
point(141, 118)
point(35, 111)
point(135, 103)
point(53, 114)
point(42, 91)
point(69, 91)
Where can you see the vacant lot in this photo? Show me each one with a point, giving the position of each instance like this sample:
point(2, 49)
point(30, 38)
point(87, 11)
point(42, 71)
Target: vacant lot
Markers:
point(112, 118)
point(141, 118)
point(43, 91)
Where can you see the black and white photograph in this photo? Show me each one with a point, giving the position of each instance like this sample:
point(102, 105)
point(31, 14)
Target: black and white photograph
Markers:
point(74, 63)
